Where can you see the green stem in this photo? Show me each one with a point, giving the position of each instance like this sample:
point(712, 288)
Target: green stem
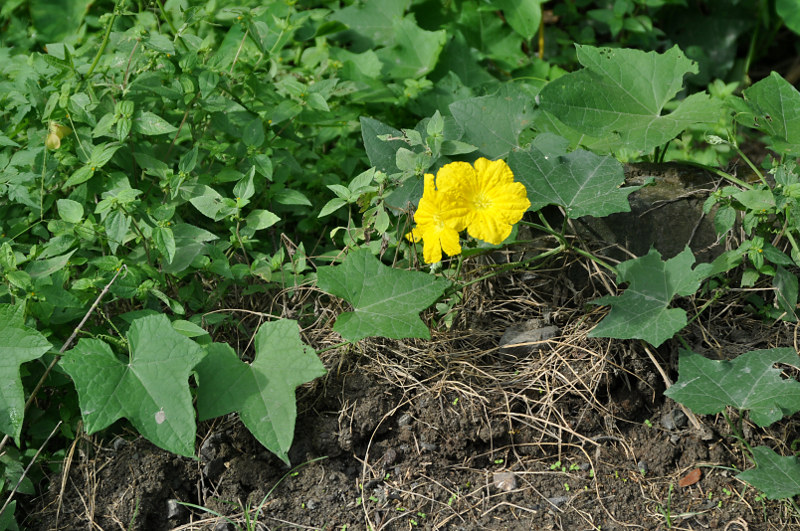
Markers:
point(103, 44)
point(565, 245)
point(750, 163)
point(720, 173)
point(166, 17)
point(506, 267)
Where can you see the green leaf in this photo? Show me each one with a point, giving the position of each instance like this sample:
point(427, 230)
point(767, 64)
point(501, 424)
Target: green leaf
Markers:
point(18, 344)
point(414, 52)
point(261, 219)
point(331, 206)
point(165, 242)
point(160, 43)
point(190, 242)
point(79, 176)
point(45, 268)
point(789, 11)
point(291, 197)
point(522, 15)
point(148, 123)
point(151, 389)
point(776, 476)
point(624, 91)
point(262, 392)
point(210, 203)
point(581, 182)
point(775, 109)
point(748, 381)
point(373, 21)
point(494, 123)
point(381, 153)
point(642, 311)
point(253, 134)
point(386, 301)
point(786, 287)
point(69, 210)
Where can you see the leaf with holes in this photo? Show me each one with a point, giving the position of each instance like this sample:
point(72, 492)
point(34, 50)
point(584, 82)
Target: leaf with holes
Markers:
point(151, 389)
point(622, 92)
point(262, 392)
point(386, 301)
point(749, 381)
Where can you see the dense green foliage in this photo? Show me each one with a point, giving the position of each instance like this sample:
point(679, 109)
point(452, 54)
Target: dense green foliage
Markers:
point(165, 156)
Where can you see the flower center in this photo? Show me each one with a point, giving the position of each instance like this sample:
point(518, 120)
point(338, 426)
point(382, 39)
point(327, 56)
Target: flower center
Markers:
point(481, 202)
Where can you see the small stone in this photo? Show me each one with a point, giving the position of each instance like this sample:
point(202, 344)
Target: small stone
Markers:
point(558, 500)
point(174, 509)
point(525, 338)
point(311, 505)
point(504, 481)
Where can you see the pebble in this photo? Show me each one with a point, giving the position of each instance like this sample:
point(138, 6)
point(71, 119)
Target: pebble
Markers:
point(558, 500)
point(174, 509)
point(504, 481)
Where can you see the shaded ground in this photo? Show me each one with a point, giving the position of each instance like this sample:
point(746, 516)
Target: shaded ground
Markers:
point(455, 433)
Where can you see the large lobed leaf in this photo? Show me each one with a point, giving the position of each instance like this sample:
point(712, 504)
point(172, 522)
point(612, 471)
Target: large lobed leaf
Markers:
point(642, 311)
point(749, 381)
point(581, 182)
point(494, 123)
point(386, 301)
point(151, 389)
point(18, 344)
point(622, 92)
point(262, 392)
point(776, 476)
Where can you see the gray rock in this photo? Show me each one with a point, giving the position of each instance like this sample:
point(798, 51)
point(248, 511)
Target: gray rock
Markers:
point(525, 338)
point(667, 214)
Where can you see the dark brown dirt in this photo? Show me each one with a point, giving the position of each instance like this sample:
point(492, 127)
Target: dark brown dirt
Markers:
point(455, 434)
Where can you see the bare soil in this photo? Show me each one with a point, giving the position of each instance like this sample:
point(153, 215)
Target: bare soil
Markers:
point(571, 433)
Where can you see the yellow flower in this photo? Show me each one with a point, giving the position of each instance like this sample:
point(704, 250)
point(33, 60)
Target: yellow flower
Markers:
point(439, 219)
point(494, 202)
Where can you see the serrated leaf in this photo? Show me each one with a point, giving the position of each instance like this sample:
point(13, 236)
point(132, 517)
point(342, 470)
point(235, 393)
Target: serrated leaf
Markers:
point(148, 123)
point(494, 123)
point(18, 344)
point(642, 311)
point(151, 390)
point(749, 381)
point(776, 476)
point(262, 392)
point(581, 182)
point(624, 91)
point(386, 301)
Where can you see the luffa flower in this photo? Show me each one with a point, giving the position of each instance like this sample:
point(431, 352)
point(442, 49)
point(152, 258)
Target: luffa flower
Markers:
point(484, 199)
point(439, 220)
point(493, 200)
